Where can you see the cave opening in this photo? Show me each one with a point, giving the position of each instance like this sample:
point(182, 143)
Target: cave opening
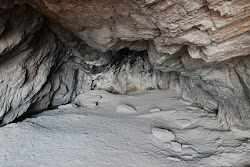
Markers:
point(119, 72)
point(124, 83)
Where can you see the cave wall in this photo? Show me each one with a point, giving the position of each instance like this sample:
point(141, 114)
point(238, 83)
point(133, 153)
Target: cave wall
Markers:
point(52, 50)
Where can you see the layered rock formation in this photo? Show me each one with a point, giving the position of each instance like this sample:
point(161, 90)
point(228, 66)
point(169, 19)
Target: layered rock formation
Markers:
point(51, 50)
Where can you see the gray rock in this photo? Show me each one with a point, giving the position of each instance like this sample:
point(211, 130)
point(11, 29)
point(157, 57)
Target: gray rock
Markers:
point(220, 85)
point(24, 66)
point(243, 72)
point(176, 146)
point(155, 110)
point(47, 59)
point(194, 93)
point(163, 134)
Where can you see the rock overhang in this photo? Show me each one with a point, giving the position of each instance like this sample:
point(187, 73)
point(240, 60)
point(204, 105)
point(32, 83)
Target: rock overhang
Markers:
point(204, 43)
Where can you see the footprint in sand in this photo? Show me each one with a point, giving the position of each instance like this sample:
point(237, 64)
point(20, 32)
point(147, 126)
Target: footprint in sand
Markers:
point(163, 134)
point(127, 109)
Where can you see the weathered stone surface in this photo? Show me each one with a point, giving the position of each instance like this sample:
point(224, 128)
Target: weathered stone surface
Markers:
point(193, 92)
point(130, 72)
point(26, 61)
point(221, 84)
point(243, 71)
point(49, 56)
point(210, 25)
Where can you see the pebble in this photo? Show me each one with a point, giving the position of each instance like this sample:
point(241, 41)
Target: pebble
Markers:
point(173, 159)
point(163, 134)
point(192, 108)
point(185, 102)
point(183, 123)
point(176, 146)
point(188, 157)
point(185, 146)
point(155, 110)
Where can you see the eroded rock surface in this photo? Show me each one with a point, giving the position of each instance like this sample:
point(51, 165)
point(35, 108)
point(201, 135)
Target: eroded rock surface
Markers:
point(211, 29)
point(50, 51)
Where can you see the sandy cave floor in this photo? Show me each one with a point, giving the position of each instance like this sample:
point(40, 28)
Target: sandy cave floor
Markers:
point(108, 130)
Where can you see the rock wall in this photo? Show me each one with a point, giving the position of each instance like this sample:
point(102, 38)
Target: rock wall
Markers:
point(52, 50)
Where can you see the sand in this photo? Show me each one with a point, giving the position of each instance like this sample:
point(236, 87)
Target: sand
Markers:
point(92, 133)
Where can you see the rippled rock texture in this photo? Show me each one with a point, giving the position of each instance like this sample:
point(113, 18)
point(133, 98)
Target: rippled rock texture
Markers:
point(52, 50)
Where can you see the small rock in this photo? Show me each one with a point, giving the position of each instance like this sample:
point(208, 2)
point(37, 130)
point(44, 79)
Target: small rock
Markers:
point(150, 1)
point(173, 159)
point(176, 146)
point(185, 146)
point(192, 108)
point(185, 102)
point(163, 134)
point(67, 106)
point(183, 123)
point(188, 157)
point(155, 110)
point(124, 108)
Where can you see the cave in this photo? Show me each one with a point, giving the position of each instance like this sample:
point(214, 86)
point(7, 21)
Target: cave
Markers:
point(173, 75)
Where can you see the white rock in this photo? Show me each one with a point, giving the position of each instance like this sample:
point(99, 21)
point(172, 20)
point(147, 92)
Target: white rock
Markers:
point(183, 123)
point(67, 106)
point(173, 159)
point(188, 157)
point(124, 108)
point(191, 108)
point(185, 102)
point(155, 110)
point(163, 134)
point(92, 105)
point(185, 146)
point(177, 146)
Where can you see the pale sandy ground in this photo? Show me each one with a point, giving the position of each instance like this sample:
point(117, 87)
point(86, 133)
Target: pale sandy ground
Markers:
point(143, 129)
